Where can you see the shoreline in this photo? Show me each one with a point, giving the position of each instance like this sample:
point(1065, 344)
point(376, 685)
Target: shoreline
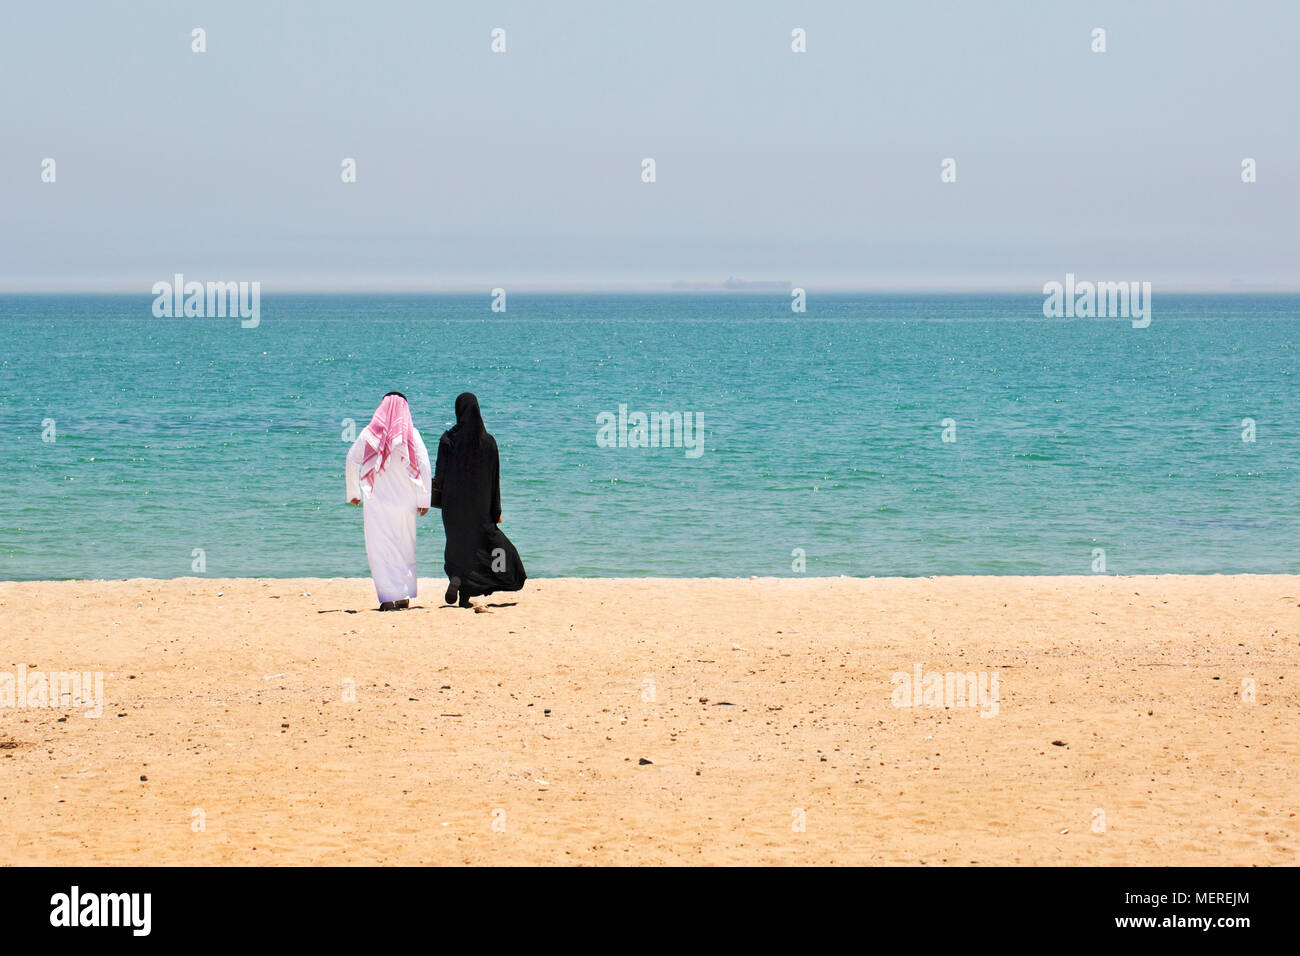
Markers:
point(433, 581)
point(295, 724)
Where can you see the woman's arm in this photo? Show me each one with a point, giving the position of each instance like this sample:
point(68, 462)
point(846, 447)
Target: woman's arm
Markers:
point(439, 470)
point(496, 484)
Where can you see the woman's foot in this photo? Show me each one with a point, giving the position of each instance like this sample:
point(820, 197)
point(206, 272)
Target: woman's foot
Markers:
point(452, 587)
point(464, 601)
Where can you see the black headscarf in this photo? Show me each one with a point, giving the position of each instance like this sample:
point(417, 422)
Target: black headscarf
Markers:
point(469, 430)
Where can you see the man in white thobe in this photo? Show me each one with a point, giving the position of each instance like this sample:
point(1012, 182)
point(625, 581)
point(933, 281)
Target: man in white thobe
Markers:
point(388, 469)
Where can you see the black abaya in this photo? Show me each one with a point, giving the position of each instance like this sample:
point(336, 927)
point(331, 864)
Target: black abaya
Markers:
point(467, 487)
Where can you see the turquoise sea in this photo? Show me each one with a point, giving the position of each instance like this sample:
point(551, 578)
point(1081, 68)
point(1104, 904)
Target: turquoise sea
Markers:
point(823, 432)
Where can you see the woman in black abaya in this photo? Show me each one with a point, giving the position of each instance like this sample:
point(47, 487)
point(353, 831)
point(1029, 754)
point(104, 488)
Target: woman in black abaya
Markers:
point(467, 487)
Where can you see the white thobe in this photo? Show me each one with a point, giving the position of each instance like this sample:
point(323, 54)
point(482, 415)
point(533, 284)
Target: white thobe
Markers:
point(390, 511)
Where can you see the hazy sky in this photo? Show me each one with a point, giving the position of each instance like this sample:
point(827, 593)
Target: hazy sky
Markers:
point(523, 169)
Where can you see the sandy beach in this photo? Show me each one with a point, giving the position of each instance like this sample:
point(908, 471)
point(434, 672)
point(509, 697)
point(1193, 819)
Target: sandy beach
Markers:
point(1137, 720)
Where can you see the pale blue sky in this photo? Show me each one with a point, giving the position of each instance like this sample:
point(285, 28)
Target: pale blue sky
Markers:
point(523, 169)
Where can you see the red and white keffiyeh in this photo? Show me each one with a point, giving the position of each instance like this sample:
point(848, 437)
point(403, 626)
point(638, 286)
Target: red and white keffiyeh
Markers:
point(390, 429)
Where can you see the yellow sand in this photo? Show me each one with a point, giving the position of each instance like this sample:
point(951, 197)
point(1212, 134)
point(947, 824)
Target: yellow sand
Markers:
point(761, 704)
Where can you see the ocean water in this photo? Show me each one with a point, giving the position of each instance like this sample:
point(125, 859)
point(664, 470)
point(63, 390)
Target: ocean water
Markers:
point(823, 433)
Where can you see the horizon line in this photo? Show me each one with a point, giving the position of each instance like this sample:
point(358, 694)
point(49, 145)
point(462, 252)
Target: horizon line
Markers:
point(299, 286)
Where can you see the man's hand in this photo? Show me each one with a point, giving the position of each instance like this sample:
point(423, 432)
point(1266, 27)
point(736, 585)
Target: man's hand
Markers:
point(423, 511)
point(354, 501)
